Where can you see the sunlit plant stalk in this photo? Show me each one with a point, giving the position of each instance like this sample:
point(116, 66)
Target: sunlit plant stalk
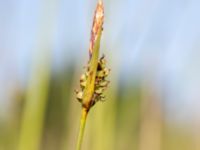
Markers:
point(93, 82)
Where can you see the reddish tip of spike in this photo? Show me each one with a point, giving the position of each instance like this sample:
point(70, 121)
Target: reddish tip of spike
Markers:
point(97, 25)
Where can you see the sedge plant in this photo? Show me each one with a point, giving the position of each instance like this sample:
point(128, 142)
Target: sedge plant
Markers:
point(93, 82)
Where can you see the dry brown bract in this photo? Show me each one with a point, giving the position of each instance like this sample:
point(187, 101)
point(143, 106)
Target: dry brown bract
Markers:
point(97, 25)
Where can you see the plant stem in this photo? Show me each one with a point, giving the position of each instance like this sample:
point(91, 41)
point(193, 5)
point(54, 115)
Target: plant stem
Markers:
point(82, 128)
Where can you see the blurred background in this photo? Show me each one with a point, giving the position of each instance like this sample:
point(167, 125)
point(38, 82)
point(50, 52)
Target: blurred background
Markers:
point(152, 48)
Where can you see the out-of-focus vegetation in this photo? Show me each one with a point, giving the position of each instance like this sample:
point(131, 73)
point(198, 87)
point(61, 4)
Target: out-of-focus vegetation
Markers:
point(130, 118)
point(153, 99)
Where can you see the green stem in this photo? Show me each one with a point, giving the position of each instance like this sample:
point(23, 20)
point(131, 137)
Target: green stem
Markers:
point(82, 128)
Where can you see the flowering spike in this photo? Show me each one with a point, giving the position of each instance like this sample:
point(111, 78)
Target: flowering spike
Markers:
point(93, 82)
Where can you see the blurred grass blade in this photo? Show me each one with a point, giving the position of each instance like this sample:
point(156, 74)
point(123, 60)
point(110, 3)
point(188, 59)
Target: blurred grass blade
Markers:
point(34, 110)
